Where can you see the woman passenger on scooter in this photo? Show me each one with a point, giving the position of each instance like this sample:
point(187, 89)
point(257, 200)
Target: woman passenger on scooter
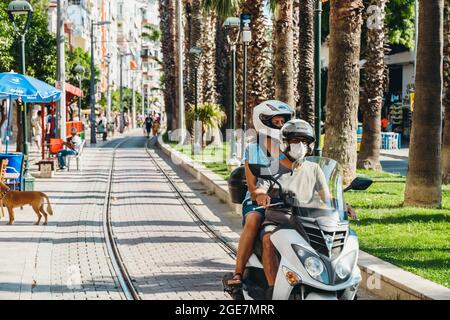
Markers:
point(268, 118)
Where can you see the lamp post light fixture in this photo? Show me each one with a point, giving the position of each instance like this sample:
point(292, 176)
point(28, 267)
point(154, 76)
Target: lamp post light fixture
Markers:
point(122, 118)
point(16, 9)
point(92, 86)
point(232, 24)
point(79, 71)
point(196, 56)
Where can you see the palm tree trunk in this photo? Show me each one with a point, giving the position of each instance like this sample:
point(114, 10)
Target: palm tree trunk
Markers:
point(374, 85)
point(197, 25)
point(187, 17)
point(283, 53)
point(168, 42)
point(222, 66)
point(424, 179)
point(446, 139)
point(258, 59)
point(343, 84)
point(305, 84)
point(296, 49)
point(208, 43)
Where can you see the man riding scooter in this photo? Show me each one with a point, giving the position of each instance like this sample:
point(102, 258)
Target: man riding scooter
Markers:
point(297, 141)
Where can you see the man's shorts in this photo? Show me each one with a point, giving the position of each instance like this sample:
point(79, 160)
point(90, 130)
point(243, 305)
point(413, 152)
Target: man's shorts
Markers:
point(273, 219)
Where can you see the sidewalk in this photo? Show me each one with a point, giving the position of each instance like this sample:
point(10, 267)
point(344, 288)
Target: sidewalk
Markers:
point(401, 154)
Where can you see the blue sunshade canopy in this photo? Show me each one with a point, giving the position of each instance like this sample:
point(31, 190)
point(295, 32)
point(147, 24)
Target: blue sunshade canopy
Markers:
point(31, 90)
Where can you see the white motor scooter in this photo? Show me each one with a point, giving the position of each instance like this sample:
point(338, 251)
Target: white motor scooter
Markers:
point(317, 250)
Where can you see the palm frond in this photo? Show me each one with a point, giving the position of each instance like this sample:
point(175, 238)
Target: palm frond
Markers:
point(223, 8)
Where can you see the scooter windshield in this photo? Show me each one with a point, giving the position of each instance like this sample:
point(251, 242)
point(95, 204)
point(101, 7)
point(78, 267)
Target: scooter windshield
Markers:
point(316, 184)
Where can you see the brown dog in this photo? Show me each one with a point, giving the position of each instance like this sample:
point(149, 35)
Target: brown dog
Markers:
point(14, 199)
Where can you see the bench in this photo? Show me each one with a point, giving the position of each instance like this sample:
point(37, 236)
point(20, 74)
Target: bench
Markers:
point(77, 157)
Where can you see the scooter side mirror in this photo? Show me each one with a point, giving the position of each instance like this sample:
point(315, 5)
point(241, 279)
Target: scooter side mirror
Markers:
point(359, 184)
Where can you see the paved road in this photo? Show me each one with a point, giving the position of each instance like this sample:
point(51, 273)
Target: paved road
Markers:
point(166, 253)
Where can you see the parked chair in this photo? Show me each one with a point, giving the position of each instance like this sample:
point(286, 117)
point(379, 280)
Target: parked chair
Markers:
point(77, 157)
point(3, 166)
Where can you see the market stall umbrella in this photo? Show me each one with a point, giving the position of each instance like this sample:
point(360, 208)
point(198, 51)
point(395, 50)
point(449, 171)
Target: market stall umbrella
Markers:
point(31, 90)
point(15, 85)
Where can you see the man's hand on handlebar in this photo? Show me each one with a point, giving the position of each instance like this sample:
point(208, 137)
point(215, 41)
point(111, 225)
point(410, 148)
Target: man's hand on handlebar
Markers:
point(351, 212)
point(263, 200)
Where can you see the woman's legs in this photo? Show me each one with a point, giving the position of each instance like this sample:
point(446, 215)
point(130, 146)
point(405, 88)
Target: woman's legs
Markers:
point(253, 221)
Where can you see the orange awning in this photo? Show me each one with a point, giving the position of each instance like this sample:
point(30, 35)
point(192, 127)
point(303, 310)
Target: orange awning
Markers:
point(71, 93)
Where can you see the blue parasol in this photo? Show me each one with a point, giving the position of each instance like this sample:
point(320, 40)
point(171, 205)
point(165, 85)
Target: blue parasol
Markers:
point(15, 85)
point(31, 90)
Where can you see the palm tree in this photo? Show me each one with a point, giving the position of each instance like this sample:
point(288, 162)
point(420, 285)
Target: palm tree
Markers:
point(283, 50)
point(424, 179)
point(446, 140)
point(374, 85)
point(210, 115)
point(343, 84)
point(153, 34)
point(305, 82)
point(168, 41)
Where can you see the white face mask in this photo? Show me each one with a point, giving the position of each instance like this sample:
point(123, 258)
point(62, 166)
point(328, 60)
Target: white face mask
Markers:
point(298, 151)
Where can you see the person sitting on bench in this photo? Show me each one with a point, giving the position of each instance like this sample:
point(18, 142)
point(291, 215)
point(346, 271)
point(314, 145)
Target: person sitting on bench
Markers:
point(73, 147)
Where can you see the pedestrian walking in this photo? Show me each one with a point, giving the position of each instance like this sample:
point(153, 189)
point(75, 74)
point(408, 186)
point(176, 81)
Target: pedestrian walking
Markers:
point(102, 125)
point(156, 125)
point(50, 128)
point(148, 125)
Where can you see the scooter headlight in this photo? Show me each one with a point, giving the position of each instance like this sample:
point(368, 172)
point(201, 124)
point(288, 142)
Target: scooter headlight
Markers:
point(313, 264)
point(345, 265)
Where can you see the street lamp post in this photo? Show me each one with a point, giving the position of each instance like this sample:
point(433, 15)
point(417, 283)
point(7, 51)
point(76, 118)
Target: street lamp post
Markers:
point(122, 118)
point(108, 89)
point(318, 75)
point(196, 55)
point(246, 39)
point(79, 71)
point(230, 24)
point(92, 86)
point(16, 8)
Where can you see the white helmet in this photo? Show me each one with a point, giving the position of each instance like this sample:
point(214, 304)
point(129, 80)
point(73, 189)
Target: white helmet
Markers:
point(265, 111)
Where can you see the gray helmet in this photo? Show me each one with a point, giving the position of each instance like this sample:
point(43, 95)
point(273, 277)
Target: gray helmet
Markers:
point(296, 128)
